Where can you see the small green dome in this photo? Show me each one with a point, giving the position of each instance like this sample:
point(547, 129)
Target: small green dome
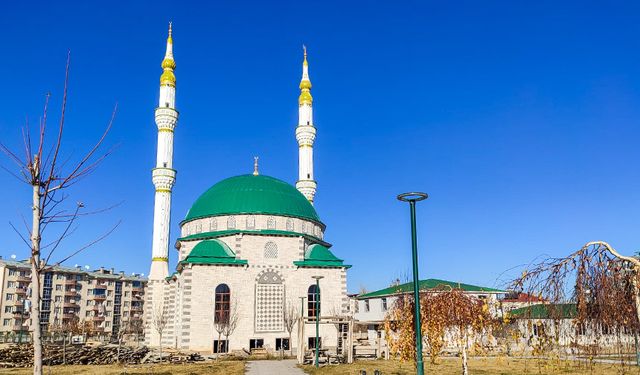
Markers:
point(250, 194)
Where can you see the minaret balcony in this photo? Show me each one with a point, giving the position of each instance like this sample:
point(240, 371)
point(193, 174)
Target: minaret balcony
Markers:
point(166, 118)
point(164, 178)
point(305, 135)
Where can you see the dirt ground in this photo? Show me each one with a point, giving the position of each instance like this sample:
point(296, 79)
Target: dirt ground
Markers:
point(492, 366)
point(212, 368)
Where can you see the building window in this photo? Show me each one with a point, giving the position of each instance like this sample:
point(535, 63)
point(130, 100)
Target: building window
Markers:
point(9, 297)
point(251, 222)
point(12, 272)
point(366, 305)
point(271, 223)
point(282, 344)
point(303, 227)
point(231, 222)
point(7, 309)
point(58, 287)
point(11, 284)
point(198, 227)
point(220, 346)
point(213, 224)
point(538, 329)
point(271, 250)
point(6, 322)
point(313, 301)
point(289, 224)
point(222, 303)
point(312, 342)
point(385, 307)
point(256, 343)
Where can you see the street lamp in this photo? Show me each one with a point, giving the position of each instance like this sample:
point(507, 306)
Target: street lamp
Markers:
point(317, 318)
point(412, 198)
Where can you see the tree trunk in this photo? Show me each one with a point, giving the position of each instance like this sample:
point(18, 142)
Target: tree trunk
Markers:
point(290, 346)
point(160, 347)
point(465, 367)
point(35, 283)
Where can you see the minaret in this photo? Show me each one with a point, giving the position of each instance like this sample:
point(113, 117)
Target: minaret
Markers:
point(164, 176)
point(305, 134)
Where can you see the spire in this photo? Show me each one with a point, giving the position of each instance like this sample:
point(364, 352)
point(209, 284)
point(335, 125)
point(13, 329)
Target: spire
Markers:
point(255, 166)
point(305, 83)
point(168, 64)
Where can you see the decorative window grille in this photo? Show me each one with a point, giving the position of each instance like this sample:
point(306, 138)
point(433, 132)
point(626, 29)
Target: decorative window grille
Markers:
point(271, 250)
point(251, 222)
point(231, 222)
point(271, 223)
point(290, 225)
point(269, 303)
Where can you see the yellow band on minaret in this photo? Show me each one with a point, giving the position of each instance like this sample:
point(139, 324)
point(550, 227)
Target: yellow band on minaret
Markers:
point(305, 84)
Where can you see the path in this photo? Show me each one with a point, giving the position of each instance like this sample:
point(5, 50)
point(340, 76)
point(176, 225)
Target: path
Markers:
point(284, 367)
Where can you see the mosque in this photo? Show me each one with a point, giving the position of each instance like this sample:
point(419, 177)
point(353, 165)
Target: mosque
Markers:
point(250, 250)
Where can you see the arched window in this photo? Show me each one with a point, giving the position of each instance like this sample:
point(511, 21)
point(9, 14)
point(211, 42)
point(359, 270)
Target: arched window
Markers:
point(271, 250)
point(223, 303)
point(303, 228)
point(313, 298)
point(198, 227)
point(271, 223)
point(213, 224)
point(290, 225)
point(251, 222)
point(231, 222)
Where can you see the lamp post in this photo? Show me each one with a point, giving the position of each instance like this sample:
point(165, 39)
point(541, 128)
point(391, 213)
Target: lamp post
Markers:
point(317, 309)
point(412, 198)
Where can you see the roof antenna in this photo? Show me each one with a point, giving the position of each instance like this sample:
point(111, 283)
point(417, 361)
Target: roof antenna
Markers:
point(255, 166)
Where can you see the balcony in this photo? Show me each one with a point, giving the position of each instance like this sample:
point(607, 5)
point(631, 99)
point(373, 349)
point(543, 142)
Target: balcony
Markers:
point(71, 305)
point(19, 313)
point(137, 289)
point(100, 286)
point(17, 302)
point(70, 293)
point(26, 279)
point(99, 297)
point(21, 290)
point(69, 316)
point(71, 282)
point(98, 318)
point(136, 308)
point(19, 328)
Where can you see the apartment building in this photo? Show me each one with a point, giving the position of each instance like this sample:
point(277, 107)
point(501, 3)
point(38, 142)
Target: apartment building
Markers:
point(100, 300)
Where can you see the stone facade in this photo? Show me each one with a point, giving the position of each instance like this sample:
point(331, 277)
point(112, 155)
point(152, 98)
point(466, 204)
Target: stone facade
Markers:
point(190, 294)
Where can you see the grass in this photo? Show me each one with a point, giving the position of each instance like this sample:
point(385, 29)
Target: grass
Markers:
point(209, 368)
point(489, 366)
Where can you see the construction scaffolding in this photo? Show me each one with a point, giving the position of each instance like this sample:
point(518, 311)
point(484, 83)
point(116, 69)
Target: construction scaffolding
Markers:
point(344, 327)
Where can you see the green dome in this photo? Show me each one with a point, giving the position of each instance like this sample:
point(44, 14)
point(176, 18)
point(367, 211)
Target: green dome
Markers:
point(249, 194)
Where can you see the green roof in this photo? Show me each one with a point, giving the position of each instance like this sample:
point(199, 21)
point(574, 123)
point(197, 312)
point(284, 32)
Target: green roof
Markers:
point(319, 256)
point(546, 311)
point(212, 252)
point(429, 284)
point(259, 232)
point(249, 194)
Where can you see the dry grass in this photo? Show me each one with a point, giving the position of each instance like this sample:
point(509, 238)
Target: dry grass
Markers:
point(491, 366)
point(209, 368)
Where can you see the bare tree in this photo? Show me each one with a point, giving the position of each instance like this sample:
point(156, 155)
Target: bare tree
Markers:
point(124, 329)
point(49, 175)
point(601, 283)
point(290, 318)
point(232, 321)
point(221, 321)
point(159, 322)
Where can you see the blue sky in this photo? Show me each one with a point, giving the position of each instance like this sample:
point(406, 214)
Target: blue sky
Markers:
point(520, 121)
